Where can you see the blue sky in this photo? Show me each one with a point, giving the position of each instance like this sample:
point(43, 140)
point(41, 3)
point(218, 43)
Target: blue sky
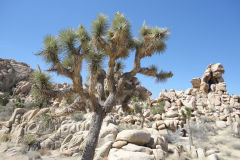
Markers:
point(202, 32)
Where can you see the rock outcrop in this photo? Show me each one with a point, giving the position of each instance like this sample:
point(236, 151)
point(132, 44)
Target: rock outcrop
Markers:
point(212, 77)
point(12, 72)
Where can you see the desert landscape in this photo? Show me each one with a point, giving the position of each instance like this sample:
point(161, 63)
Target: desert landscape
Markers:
point(119, 80)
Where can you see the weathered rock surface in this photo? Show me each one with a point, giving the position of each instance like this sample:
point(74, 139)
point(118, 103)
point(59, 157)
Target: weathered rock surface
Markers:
point(12, 72)
point(139, 137)
point(119, 154)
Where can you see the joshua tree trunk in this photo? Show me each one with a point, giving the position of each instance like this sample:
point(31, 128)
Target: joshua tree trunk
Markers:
point(190, 133)
point(93, 134)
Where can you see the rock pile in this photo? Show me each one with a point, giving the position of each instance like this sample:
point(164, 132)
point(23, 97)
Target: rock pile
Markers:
point(212, 79)
point(208, 97)
point(12, 72)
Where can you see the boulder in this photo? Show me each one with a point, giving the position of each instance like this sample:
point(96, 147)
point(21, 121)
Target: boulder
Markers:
point(213, 157)
point(159, 154)
point(12, 72)
point(119, 144)
point(119, 154)
point(221, 87)
point(103, 151)
point(139, 137)
point(196, 82)
point(171, 114)
point(221, 124)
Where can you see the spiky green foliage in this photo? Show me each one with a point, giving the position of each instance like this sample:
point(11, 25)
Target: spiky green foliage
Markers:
point(41, 85)
point(99, 26)
point(119, 66)
point(68, 39)
point(120, 27)
point(83, 37)
point(68, 61)
point(95, 61)
point(163, 76)
point(51, 51)
point(137, 108)
point(29, 139)
point(158, 109)
point(78, 116)
point(19, 102)
point(154, 36)
point(186, 112)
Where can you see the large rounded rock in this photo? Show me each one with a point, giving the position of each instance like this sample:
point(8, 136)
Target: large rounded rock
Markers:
point(171, 114)
point(119, 154)
point(139, 137)
point(12, 72)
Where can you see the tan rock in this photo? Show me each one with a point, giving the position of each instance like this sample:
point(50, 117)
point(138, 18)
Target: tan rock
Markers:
point(119, 154)
point(119, 144)
point(196, 82)
point(139, 137)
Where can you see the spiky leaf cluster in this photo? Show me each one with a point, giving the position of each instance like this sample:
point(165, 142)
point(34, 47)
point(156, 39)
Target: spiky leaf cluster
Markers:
point(186, 112)
point(99, 26)
point(68, 39)
point(154, 37)
point(51, 51)
point(41, 84)
point(95, 61)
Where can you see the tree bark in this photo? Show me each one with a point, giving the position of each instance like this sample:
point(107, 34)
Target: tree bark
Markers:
point(93, 134)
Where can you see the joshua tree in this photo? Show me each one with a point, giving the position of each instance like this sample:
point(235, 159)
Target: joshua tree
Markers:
point(66, 52)
point(186, 114)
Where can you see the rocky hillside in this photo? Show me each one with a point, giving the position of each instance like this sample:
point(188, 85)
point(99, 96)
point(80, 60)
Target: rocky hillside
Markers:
point(12, 72)
point(151, 130)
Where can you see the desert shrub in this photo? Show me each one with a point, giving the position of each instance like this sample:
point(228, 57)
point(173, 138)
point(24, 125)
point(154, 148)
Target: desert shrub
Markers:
point(47, 123)
point(213, 109)
point(205, 119)
point(19, 102)
point(29, 139)
point(4, 98)
point(6, 137)
point(201, 131)
point(78, 116)
point(229, 109)
point(125, 126)
point(173, 136)
point(158, 109)
point(41, 83)
point(6, 111)
point(137, 108)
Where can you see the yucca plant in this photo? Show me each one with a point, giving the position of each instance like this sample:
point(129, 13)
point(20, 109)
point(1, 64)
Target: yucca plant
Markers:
point(112, 42)
point(41, 85)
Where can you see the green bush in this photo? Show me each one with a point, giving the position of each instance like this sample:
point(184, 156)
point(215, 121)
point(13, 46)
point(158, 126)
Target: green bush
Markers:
point(4, 98)
point(29, 139)
point(6, 111)
point(42, 84)
point(158, 109)
point(78, 116)
point(6, 137)
point(19, 102)
point(137, 108)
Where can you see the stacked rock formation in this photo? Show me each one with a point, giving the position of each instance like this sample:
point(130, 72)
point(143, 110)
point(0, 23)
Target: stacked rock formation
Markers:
point(212, 79)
